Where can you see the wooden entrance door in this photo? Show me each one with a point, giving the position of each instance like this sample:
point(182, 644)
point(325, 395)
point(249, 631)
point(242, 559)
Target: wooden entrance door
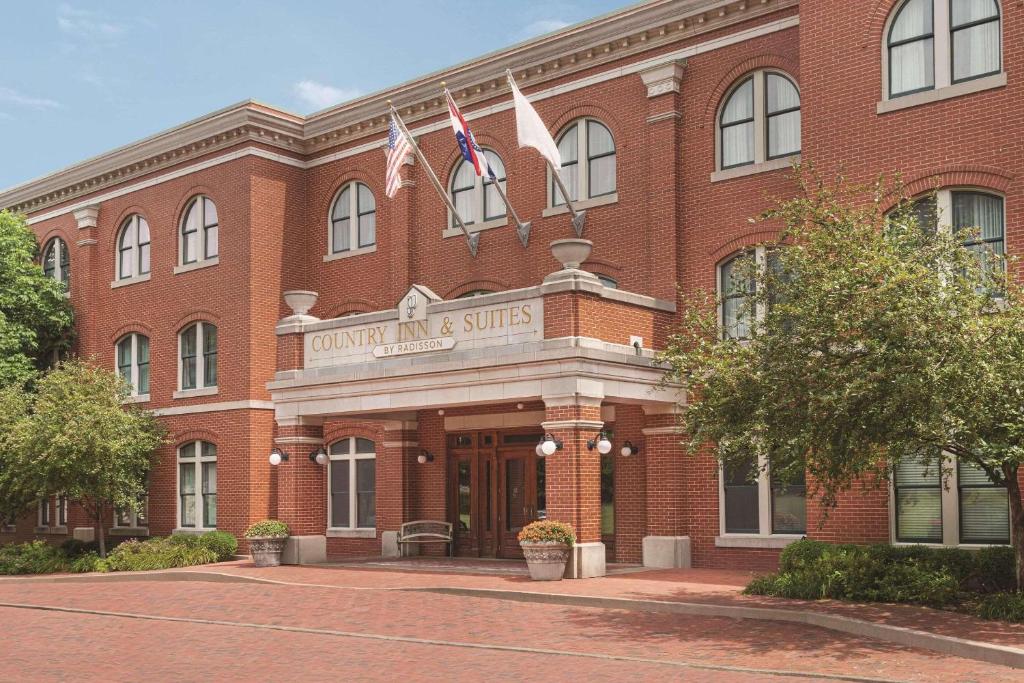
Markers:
point(472, 464)
point(517, 496)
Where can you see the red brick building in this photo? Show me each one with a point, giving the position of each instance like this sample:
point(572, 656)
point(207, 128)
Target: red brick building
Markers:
point(424, 376)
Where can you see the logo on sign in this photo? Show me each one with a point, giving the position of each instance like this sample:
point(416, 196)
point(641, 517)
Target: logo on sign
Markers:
point(410, 305)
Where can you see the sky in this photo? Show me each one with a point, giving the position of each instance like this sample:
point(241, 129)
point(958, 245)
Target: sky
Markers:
point(80, 78)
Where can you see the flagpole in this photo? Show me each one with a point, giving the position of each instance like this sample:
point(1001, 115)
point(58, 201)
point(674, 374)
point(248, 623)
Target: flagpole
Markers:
point(472, 238)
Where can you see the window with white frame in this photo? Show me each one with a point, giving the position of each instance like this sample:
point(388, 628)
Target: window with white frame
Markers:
point(133, 248)
point(197, 485)
point(753, 503)
point(43, 517)
point(759, 120)
point(352, 484)
point(353, 219)
point(133, 362)
point(949, 503)
point(475, 197)
point(197, 356)
point(200, 232)
point(57, 261)
point(979, 215)
point(737, 286)
point(932, 44)
point(588, 156)
point(126, 518)
point(61, 508)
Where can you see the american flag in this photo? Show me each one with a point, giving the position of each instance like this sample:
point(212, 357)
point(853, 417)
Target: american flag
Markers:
point(398, 149)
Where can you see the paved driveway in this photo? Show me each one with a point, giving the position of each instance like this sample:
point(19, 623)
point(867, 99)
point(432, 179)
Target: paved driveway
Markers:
point(195, 626)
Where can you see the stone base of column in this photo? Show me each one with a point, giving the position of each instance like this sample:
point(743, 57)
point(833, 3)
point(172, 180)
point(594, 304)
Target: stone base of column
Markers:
point(667, 552)
point(586, 561)
point(305, 550)
point(389, 544)
point(86, 534)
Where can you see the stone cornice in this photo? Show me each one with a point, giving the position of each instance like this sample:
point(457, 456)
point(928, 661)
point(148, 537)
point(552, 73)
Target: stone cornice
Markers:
point(593, 43)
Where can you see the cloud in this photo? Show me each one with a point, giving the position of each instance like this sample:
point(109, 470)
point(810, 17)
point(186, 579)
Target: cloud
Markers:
point(542, 26)
point(12, 96)
point(320, 95)
point(86, 24)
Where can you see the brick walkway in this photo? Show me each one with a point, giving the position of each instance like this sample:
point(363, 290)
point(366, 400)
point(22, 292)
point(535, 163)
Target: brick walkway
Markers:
point(347, 624)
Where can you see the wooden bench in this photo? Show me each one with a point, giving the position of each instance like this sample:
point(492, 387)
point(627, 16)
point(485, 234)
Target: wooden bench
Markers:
point(426, 531)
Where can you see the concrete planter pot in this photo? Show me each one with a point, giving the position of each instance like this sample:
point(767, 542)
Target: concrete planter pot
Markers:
point(571, 252)
point(266, 550)
point(300, 300)
point(546, 560)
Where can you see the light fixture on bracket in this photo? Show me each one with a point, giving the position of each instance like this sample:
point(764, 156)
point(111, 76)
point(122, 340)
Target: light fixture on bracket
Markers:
point(277, 456)
point(548, 445)
point(319, 456)
point(601, 443)
point(629, 449)
point(424, 457)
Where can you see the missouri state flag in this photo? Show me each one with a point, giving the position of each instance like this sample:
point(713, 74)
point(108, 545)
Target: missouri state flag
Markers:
point(471, 151)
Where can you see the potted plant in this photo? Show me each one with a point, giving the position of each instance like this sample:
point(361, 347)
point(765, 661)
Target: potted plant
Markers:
point(266, 542)
point(546, 545)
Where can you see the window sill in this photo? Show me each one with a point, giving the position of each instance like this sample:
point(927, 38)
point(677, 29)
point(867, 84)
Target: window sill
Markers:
point(604, 200)
point(755, 541)
point(190, 393)
point(206, 263)
point(944, 93)
point(130, 281)
point(964, 546)
point(350, 253)
point(191, 531)
point(128, 531)
point(138, 398)
point(754, 169)
point(352, 533)
point(476, 227)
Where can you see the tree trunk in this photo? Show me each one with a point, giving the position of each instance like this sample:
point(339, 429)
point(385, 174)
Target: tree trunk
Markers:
point(99, 530)
point(1016, 519)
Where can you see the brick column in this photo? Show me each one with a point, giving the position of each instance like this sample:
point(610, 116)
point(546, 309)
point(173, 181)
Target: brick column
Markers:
point(394, 459)
point(666, 543)
point(301, 490)
point(84, 279)
point(573, 478)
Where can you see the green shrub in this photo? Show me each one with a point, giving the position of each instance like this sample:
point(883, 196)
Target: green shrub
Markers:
point(548, 531)
point(73, 547)
point(1004, 606)
point(223, 544)
point(268, 528)
point(799, 585)
point(995, 569)
point(157, 553)
point(35, 557)
point(800, 554)
point(88, 562)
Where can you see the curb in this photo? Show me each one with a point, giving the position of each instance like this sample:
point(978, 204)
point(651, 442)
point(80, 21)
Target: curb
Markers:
point(959, 647)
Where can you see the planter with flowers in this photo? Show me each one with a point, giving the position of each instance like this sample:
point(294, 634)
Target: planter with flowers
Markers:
point(266, 542)
point(546, 545)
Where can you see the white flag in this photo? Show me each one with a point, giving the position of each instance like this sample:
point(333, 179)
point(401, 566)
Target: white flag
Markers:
point(532, 131)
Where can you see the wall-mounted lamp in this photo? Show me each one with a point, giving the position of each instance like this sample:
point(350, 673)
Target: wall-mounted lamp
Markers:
point(424, 457)
point(601, 443)
point(277, 456)
point(319, 456)
point(629, 449)
point(548, 445)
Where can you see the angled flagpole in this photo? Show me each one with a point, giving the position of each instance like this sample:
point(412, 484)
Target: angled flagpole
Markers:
point(533, 133)
point(473, 239)
point(522, 229)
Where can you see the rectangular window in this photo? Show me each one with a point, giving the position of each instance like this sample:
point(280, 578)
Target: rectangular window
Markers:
point(984, 507)
point(789, 506)
point(124, 359)
point(209, 494)
point(187, 491)
point(339, 493)
point(741, 500)
point(366, 492)
point(918, 492)
point(188, 357)
point(465, 495)
point(366, 210)
point(62, 510)
point(44, 512)
point(209, 355)
point(143, 350)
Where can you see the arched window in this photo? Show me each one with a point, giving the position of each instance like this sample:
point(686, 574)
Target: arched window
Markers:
point(57, 261)
point(200, 238)
point(197, 353)
point(353, 219)
point(608, 281)
point(588, 140)
point(475, 197)
point(474, 292)
point(735, 288)
point(352, 484)
point(133, 362)
point(197, 485)
point(759, 120)
point(933, 44)
point(133, 248)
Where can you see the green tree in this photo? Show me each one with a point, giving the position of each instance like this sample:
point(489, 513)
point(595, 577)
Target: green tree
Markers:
point(874, 339)
point(35, 317)
point(77, 435)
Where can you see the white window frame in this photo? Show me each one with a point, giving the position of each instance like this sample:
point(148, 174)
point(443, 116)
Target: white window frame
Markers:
point(584, 200)
point(944, 207)
point(135, 364)
point(353, 223)
point(479, 199)
point(353, 497)
point(761, 162)
point(197, 461)
point(133, 518)
point(200, 389)
point(60, 508)
point(761, 260)
point(43, 514)
point(942, 54)
point(60, 249)
point(202, 233)
point(764, 538)
point(136, 275)
point(949, 486)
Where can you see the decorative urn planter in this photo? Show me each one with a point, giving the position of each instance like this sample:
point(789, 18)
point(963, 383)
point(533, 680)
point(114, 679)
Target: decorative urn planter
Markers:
point(300, 300)
point(546, 546)
point(571, 252)
point(266, 542)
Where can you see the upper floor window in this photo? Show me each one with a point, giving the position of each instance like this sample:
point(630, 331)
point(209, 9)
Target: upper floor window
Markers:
point(133, 248)
point(933, 44)
point(199, 231)
point(133, 362)
point(588, 162)
point(197, 345)
point(353, 219)
point(475, 197)
point(738, 284)
point(980, 215)
point(759, 120)
point(57, 261)
point(197, 485)
point(352, 484)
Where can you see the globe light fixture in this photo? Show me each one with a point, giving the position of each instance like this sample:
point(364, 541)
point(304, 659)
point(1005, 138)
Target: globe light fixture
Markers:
point(425, 457)
point(549, 445)
point(601, 443)
point(319, 456)
point(629, 449)
point(277, 456)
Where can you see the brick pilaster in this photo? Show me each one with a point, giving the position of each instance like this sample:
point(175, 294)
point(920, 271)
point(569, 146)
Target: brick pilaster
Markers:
point(301, 483)
point(573, 473)
point(666, 466)
point(395, 458)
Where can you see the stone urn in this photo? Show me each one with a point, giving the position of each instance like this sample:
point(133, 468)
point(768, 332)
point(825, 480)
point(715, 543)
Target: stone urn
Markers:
point(300, 300)
point(571, 252)
point(545, 559)
point(266, 550)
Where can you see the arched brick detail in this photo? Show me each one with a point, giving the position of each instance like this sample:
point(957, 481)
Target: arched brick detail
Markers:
point(601, 264)
point(752, 238)
point(766, 61)
point(196, 316)
point(336, 431)
point(183, 437)
point(350, 306)
point(129, 327)
point(461, 289)
point(50, 234)
point(485, 141)
point(119, 223)
point(582, 109)
point(875, 20)
point(190, 194)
